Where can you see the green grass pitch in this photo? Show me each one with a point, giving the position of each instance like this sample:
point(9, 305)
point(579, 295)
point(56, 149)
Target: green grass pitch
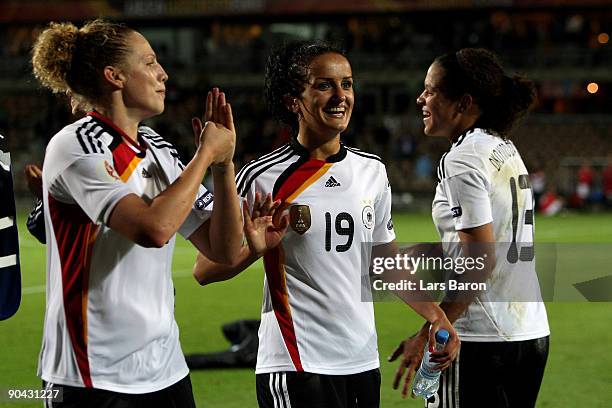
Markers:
point(578, 373)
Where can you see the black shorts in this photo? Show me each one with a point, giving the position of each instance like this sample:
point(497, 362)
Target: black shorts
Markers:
point(493, 375)
point(178, 395)
point(307, 390)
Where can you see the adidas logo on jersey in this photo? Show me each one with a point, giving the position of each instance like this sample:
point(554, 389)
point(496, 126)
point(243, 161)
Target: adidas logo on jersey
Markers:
point(332, 182)
point(145, 173)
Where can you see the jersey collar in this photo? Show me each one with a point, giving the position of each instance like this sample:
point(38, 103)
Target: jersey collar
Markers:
point(464, 136)
point(118, 134)
point(470, 132)
point(303, 152)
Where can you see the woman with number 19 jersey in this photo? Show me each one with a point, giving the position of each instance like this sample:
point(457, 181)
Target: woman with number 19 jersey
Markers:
point(315, 317)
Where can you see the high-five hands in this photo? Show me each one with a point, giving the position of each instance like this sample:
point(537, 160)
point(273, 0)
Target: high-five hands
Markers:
point(217, 135)
point(265, 226)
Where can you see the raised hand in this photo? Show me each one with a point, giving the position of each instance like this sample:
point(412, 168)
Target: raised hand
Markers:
point(33, 175)
point(217, 135)
point(264, 228)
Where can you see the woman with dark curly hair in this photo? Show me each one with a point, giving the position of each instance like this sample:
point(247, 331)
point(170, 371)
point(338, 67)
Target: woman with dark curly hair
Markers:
point(317, 339)
point(115, 195)
point(484, 199)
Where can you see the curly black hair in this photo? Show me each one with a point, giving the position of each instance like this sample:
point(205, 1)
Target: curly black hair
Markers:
point(502, 99)
point(287, 70)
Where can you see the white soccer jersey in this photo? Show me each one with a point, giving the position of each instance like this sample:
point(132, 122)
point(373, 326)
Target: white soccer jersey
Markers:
point(313, 317)
point(482, 179)
point(109, 320)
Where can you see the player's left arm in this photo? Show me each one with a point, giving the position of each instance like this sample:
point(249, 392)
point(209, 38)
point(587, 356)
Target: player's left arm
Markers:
point(220, 237)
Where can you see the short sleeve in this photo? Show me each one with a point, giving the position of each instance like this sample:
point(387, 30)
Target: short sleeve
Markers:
point(468, 199)
point(93, 184)
point(383, 227)
point(199, 214)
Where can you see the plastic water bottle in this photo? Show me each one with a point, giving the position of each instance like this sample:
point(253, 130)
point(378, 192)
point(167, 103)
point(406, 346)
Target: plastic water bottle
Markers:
point(427, 380)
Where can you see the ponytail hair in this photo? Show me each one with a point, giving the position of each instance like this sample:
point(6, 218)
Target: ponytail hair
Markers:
point(502, 99)
point(67, 59)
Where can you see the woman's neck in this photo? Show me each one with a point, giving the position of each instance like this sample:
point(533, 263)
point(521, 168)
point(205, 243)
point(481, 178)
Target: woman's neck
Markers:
point(455, 136)
point(320, 148)
point(120, 117)
point(467, 121)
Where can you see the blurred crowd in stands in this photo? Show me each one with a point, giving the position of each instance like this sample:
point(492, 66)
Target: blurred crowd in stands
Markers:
point(565, 142)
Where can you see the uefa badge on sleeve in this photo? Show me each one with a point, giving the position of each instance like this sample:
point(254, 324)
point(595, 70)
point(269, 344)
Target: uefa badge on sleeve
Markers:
point(299, 218)
point(204, 200)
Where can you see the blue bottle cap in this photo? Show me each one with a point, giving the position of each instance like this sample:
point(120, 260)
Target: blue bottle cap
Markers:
point(442, 336)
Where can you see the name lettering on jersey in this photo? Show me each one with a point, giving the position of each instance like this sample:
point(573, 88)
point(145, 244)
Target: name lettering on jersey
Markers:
point(367, 216)
point(204, 200)
point(501, 153)
point(332, 182)
point(299, 218)
point(110, 170)
point(456, 211)
point(367, 201)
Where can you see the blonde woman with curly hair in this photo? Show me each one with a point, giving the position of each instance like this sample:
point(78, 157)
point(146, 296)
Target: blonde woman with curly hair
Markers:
point(115, 195)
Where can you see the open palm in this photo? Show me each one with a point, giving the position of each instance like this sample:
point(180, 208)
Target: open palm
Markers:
point(217, 134)
point(264, 228)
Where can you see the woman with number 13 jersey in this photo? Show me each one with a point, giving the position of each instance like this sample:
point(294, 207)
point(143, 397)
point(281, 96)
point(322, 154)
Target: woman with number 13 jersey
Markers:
point(317, 339)
point(484, 196)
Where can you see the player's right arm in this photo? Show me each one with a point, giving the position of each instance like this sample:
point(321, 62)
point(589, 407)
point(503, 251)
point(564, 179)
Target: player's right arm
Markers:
point(263, 229)
point(154, 223)
point(36, 218)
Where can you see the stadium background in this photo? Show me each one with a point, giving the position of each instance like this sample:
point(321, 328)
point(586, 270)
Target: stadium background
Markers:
point(563, 45)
